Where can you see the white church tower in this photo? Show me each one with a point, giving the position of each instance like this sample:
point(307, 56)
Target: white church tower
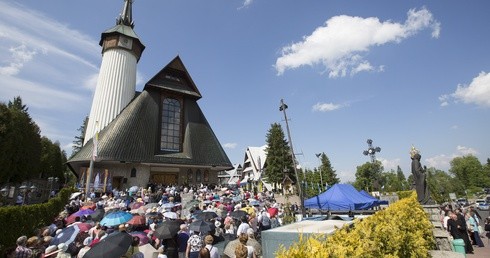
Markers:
point(116, 84)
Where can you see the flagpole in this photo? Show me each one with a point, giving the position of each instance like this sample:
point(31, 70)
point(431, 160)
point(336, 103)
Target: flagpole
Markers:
point(92, 160)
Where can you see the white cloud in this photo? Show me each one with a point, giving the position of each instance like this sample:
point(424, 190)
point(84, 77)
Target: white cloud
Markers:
point(466, 150)
point(325, 107)
point(390, 164)
point(444, 100)
point(341, 42)
point(442, 161)
point(246, 3)
point(19, 56)
point(455, 127)
point(230, 145)
point(478, 92)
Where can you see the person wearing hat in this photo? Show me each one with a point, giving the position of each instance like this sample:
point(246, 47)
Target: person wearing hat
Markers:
point(86, 246)
point(213, 251)
point(51, 251)
point(253, 242)
point(218, 232)
point(63, 248)
point(22, 251)
point(194, 245)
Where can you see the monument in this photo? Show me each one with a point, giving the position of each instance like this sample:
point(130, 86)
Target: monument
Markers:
point(420, 178)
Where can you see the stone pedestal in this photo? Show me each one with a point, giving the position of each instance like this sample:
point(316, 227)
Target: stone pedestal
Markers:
point(441, 236)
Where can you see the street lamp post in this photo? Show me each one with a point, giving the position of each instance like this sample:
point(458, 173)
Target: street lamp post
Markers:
point(283, 108)
point(318, 155)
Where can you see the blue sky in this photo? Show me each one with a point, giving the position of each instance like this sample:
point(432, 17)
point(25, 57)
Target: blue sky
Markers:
point(399, 73)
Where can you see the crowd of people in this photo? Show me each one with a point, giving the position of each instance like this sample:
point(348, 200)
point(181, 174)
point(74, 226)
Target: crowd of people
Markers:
point(466, 224)
point(206, 217)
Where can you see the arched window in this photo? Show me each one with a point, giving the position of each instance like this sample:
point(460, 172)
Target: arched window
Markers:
point(189, 175)
point(171, 125)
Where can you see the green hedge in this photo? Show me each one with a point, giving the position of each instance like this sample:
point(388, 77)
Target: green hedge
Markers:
point(16, 221)
point(401, 230)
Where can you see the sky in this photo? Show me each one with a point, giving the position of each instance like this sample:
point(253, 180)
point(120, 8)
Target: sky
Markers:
point(401, 73)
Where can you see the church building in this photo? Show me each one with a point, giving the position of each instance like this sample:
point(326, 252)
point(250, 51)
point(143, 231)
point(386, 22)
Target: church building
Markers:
point(157, 136)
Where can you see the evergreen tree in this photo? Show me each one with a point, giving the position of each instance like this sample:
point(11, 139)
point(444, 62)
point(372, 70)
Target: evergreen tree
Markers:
point(328, 174)
point(403, 184)
point(78, 142)
point(24, 143)
point(279, 161)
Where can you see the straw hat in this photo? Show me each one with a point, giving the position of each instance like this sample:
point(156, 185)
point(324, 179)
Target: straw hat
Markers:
point(50, 250)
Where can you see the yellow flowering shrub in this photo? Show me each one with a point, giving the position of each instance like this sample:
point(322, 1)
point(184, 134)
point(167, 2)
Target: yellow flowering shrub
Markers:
point(401, 230)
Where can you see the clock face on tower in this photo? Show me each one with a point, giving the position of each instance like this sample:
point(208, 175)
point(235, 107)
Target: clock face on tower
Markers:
point(125, 42)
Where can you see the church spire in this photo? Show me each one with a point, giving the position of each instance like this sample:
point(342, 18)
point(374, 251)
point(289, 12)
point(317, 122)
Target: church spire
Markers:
point(126, 17)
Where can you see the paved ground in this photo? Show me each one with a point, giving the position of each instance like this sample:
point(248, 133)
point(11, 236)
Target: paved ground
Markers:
point(481, 252)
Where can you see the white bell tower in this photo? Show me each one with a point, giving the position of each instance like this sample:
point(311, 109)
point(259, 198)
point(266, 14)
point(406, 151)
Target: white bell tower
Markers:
point(116, 84)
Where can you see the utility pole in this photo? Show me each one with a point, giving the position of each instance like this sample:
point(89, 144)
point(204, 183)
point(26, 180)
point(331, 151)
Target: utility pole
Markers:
point(283, 108)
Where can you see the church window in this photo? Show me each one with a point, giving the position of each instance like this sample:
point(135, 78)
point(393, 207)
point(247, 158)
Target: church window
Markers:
point(171, 125)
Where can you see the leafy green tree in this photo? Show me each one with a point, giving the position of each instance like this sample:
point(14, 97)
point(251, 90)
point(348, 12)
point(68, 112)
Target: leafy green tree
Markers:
point(78, 142)
point(6, 143)
point(328, 174)
point(441, 184)
point(368, 176)
point(390, 182)
point(469, 171)
point(279, 161)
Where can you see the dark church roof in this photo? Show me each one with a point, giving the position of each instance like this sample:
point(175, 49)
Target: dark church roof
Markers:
point(134, 135)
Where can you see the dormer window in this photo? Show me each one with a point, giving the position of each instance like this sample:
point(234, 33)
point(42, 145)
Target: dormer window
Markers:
point(171, 131)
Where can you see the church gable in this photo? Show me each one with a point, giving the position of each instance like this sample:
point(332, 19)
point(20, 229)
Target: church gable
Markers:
point(175, 79)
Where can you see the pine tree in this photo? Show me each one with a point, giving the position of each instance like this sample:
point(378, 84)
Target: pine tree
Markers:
point(279, 161)
point(78, 142)
point(329, 175)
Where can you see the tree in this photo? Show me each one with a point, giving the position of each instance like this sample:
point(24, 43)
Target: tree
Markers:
point(23, 147)
point(401, 179)
point(52, 160)
point(279, 161)
point(78, 142)
point(328, 174)
point(368, 176)
point(441, 184)
point(469, 171)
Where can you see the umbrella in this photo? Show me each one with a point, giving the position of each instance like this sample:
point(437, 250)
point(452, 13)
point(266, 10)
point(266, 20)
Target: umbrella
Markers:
point(88, 207)
point(207, 215)
point(255, 203)
point(148, 251)
point(116, 218)
point(98, 214)
point(201, 226)
point(170, 215)
point(137, 220)
point(238, 214)
point(191, 203)
point(67, 236)
point(249, 210)
point(75, 195)
point(168, 205)
point(230, 248)
point(140, 210)
point(136, 205)
point(84, 227)
point(114, 245)
point(237, 198)
point(142, 236)
point(168, 229)
point(153, 214)
point(151, 205)
point(273, 211)
point(133, 189)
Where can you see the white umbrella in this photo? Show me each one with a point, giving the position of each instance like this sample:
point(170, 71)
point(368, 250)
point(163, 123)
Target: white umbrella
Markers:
point(168, 205)
point(148, 250)
point(75, 195)
point(170, 215)
point(133, 189)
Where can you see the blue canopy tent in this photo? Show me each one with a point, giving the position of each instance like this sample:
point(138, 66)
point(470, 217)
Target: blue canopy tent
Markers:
point(341, 197)
point(380, 202)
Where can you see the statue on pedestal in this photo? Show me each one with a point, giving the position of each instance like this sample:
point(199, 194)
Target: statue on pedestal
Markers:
point(419, 177)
